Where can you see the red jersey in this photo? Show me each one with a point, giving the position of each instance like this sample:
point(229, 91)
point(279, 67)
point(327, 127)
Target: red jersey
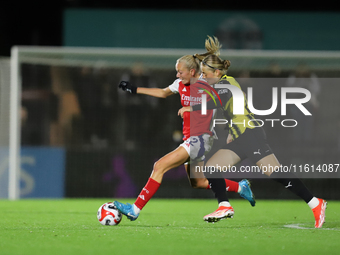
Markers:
point(194, 123)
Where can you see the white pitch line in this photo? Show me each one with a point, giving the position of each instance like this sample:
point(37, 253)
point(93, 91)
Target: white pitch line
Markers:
point(300, 226)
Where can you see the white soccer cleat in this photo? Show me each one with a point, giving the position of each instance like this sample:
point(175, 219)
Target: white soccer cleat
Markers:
point(222, 212)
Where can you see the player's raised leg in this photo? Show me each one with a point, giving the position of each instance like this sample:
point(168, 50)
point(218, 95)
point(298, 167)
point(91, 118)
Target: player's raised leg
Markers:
point(173, 159)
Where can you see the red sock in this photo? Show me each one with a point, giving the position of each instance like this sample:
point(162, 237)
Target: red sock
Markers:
point(147, 193)
point(231, 185)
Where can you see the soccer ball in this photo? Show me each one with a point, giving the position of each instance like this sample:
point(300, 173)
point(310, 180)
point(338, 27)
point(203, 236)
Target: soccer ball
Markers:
point(109, 215)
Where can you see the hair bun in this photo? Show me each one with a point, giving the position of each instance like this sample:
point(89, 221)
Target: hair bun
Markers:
point(226, 64)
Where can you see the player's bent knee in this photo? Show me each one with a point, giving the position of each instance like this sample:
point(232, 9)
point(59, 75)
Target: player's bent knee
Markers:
point(158, 167)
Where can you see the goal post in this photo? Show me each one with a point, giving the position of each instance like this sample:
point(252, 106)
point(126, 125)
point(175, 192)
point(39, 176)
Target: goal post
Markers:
point(14, 125)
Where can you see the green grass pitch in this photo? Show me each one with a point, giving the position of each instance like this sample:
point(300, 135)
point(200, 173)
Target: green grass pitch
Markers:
point(166, 226)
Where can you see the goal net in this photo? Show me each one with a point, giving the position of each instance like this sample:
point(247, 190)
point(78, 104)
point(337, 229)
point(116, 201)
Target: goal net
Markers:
point(64, 97)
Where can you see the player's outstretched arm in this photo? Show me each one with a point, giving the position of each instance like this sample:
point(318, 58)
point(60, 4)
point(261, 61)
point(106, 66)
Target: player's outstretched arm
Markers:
point(155, 92)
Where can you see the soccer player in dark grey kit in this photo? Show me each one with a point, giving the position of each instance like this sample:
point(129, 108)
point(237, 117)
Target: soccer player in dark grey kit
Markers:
point(246, 141)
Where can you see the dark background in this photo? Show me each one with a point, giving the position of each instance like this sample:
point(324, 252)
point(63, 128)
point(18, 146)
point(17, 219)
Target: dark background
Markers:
point(39, 22)
point(91, 171)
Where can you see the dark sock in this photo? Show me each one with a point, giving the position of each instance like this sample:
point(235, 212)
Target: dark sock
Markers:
point(218, 187)
point(294, 184)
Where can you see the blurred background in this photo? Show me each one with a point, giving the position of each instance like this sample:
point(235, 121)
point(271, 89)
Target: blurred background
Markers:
point(81, 137)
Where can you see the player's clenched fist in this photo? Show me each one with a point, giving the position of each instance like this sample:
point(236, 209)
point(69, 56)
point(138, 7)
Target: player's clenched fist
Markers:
point(127, 86)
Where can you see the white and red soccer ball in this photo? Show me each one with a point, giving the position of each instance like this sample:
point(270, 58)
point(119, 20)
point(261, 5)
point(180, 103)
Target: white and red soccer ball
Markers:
point(109, 215)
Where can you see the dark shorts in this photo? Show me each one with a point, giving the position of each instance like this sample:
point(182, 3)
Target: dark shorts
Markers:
point(251, 144)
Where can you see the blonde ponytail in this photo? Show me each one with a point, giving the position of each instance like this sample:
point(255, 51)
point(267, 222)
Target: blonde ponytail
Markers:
point(212, 46)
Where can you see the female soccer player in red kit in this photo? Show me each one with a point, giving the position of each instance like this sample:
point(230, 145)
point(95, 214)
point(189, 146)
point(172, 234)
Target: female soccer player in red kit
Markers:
point(197, 141)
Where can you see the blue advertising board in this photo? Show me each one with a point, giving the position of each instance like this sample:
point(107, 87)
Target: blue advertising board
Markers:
point(42, 172)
